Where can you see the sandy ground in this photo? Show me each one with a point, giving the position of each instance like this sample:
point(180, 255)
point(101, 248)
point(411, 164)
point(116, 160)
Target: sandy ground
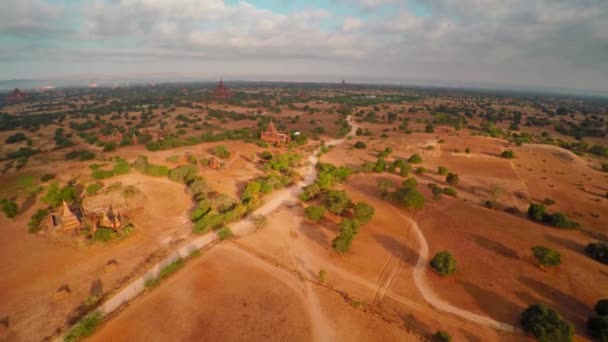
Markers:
point(35, 268)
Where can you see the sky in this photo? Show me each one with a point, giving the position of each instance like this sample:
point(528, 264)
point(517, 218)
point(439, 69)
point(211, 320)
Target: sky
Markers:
point(545, 44)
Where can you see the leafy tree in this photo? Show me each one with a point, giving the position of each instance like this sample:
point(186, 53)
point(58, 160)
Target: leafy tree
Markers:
point(452, 178)
point(409, 197)
point(314, 212)
point(266, 155)
point(221, 151)
point(385, 185)
point(547, 256)
point(348, 229)
point(560, 220)
point(224, 233)
point(360, 145)
point(450, 192)
point(17, 137)
point(363, 212)
point(415, 159)
point(507, 154)
point(546, 325)
point(601, 307)
point(598, 328)
point(34, 225)
point(598, 251)
point(441, 336)
point(429, 128)
point(537, 212)
point(55, 195)
point(9, 208)
point(442, 170)
point(337, 201)
point(310, 191)
point(93, 188)
point(410, 183)
point(444, 263)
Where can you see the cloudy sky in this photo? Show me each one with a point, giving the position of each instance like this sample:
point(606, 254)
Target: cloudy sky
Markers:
point(507, 43)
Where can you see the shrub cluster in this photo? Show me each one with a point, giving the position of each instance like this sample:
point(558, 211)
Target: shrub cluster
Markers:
point(142, 165)
point(598, 251)
point(546, 324)
point(9, 208)
point(538, 212)
point(444, 263)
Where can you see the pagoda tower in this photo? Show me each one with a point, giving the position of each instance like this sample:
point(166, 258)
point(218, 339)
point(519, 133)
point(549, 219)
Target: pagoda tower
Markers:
point(221, 91)
point(69, 221)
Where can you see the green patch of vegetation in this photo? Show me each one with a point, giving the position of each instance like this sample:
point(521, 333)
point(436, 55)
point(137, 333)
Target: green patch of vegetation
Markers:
point(450, 192)
point(81, 155)
point(104, 234)
point(165, 273)
point(84, 328)
point(598, 251)
point(441, 336)
point(546, 325)
point(34, 225)
point(93, 188)
point(224, 233)
point(415, 159)
point(507, 154)
point(360, 145)
point(452, 178)
point(314, 212)
point(547, 256)
point(22, 152)
point(56, 195)
point(363, 212)
point(321, 276)
point(142, 165)
point(444, 263)
point(538, 212)
point(221, 152)
point(348, 230)
point(9, 208)
point(442, 170)
point(47, 177)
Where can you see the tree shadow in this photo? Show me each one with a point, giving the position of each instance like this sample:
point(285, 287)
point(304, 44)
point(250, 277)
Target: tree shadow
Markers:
point(495, 246)
point(594, 235)
point(5, 322)
point(565, 243)
point(413, 324)
point(314, 232)
point(27, 204)
point(573, 309)
point(397, 249)
point(493, 304)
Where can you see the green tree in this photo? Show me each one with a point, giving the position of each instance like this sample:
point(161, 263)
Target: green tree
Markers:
point(314, 212)
point(442, 170)
point(385, 185)
point(409, 197)
point(221, 151)
point(363, 212)
point(337, 201)
point(360, 145)
point(537, 212)
point(444, 263)
point(348, 229)
point(9, 208)
point(429, 128)
point(415, 159)
point(452, 178)
point(546, 325)
point(441, 336)
point(598, 251)
point(547, 256)
point(507, 154)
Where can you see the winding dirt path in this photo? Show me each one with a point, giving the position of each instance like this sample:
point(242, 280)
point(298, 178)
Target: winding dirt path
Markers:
point(422, 284)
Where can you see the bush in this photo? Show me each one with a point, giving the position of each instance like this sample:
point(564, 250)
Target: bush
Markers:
point(348, 229)
point(337, 201)
point(93, 188)
point(47, 177)
point(441, 336)
point(537, 212)
point(409, 197)
point(100, 174)
point(266, 155)
point(55, 195)
point(364, 212)
point(184, 173)
point(9, 208)
point(450, 192)
point(17, 137)
point(601, 307)
point(34, 225)
point(598, 328)
point(560, 220)
point(165, 273)
point(452, 179)
point(224, 233)
point(410, 183)
point(84, 328)
point(598, 251)
point(103, 234)
point(444, 263)
point(82, 155)
point(442, 170)
point(546, 324)
point(315, 212)
point(142, 165)
point(360, 145)
point(221, 151)
point(415, 159)
point(547, 256)
point(507, 154)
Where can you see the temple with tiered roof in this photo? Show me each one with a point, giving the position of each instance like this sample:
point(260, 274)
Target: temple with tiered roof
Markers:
point(221, 91)
point(272, 135)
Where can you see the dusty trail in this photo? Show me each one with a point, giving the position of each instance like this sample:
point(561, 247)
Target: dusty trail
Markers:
point(431, 297)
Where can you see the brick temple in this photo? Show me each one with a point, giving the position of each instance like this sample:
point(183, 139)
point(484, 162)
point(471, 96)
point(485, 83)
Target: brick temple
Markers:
point(272, 135)
point(17, 95)
point(221, 91)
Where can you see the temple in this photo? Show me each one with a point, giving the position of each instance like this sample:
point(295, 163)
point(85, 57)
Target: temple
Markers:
point(221, 91)
point(75, 219)
point(17, 95)
point(272, 135)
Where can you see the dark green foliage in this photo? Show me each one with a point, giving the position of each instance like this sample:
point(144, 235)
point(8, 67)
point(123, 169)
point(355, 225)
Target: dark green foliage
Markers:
point(385, 186)
point(165, 273)
point(17, 137)
point(9, 208)
point(415, 159)
point(444, 263)
point(430, 128)
point(441, 336)
point(507, 154)
point(442, 170)
point(47, 177)
point(221, 151)
point(363, 212)
point(142, 165)
point(337, 201)
point(409, 197)
point(22, 152)
point(184, 173)
point(103, 234)
point(601, 307)
point(55, 195)
point(82, 155)
point(598, 328)
point(360, 145)
point(266, 155)
point(450, 192)
point(560, 220)
point(410, 183)
point(546, 325)
point(84, 328)
point(547, 256)
point(283, 162)
point(598, 251)
point(537, 212)
point(93, 188)
point(452, 179)
point(348, 229)
point(100, 174)
point(420, 170)
point(34, 225)
point(314, 212)
point(605, 167)
point(309, 192)
point(224, 233)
